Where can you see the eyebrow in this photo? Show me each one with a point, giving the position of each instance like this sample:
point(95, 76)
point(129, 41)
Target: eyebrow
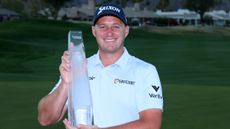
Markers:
point(120, 24)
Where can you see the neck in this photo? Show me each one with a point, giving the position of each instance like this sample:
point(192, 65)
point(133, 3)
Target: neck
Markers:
point(110, 58)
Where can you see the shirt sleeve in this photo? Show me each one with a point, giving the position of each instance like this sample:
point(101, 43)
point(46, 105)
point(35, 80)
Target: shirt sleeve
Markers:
point(56, 86)
point(149, 94)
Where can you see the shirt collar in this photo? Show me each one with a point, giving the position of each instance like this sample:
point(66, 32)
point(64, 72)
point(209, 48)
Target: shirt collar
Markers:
point(121, 62)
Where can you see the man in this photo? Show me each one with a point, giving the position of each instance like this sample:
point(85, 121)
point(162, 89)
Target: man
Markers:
point(126, 91)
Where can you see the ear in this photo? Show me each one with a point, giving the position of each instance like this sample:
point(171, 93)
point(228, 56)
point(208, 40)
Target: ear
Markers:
point(93, 31)
point(126, 30)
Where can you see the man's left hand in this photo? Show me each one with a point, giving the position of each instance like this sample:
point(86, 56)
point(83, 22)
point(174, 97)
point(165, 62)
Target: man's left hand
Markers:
point(80, 126)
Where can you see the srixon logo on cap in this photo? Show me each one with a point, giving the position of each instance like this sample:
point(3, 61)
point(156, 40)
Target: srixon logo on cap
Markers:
point(112, 8)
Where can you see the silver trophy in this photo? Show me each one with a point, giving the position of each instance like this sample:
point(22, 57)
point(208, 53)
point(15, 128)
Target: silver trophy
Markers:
point(79, 96)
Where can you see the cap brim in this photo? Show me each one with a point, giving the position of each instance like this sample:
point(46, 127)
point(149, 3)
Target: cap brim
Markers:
point(108, 14)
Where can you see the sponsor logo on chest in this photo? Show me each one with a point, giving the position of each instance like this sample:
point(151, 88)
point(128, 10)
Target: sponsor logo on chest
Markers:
point(123, 82)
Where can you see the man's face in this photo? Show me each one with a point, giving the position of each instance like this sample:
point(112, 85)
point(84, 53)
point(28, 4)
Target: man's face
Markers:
point(110, 33)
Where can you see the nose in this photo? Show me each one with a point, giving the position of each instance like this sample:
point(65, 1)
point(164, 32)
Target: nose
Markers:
point(110, 31)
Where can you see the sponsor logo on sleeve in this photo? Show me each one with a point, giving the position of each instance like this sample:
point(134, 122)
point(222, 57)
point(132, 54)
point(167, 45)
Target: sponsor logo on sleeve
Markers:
point(156, 88)
point(153, 92)
point(157, 96)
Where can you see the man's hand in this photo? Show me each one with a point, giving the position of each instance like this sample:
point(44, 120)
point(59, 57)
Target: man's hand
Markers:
point(68, 126)
point(64, 68)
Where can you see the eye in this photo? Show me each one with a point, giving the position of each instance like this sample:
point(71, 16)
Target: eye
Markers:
point(116, 27)
point(101, 27)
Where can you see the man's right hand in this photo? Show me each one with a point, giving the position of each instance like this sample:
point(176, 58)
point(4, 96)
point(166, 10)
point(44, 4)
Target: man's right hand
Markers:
point(64, 68)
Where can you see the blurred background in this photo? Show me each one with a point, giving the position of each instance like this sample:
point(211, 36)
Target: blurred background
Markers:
point(187, 40)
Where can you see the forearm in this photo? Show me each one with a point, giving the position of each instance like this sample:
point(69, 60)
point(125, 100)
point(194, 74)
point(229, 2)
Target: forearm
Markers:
point(149, 119)
point(51, 107)
point(137, 125)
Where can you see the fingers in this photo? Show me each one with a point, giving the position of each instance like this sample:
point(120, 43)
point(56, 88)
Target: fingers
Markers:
point(65, 62)
point(80, 126)
point(64, 67)
point(66, 58)
point(67, 124)
point(71, 45)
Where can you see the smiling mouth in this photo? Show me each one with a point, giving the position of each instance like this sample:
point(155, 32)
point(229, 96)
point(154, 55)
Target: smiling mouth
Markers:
point(110, 40)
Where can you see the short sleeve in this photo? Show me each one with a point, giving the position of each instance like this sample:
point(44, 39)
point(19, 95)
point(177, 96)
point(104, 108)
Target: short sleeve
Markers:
point(149, 94)
point(56, 85)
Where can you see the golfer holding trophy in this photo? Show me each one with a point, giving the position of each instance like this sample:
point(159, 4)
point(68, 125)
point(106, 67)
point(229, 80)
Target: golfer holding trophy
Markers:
point(126, 91)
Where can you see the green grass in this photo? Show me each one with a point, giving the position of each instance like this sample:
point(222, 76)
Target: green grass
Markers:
point(196, 107)
point(193, 66)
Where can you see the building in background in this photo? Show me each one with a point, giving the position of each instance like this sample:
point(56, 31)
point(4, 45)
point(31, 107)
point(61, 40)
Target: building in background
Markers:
point(6, 15)
point(218, 17)
point(139, 15)
point(181, 16)
point(83, 13)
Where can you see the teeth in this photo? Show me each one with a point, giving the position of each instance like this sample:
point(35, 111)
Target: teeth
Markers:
point(109, 40)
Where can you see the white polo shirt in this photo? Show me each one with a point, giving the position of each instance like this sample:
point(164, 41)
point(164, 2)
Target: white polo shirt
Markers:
point(122, 90)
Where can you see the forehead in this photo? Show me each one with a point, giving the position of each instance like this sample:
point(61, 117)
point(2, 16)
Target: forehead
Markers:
point(109, 19)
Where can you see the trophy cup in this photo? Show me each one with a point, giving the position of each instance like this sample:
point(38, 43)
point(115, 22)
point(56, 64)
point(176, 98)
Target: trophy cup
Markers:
point(79, 96)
